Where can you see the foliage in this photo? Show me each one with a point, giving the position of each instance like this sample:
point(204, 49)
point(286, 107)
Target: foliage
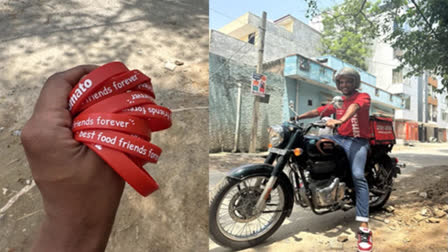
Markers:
point(348, 33)
point(420, 30)
point(422, 33)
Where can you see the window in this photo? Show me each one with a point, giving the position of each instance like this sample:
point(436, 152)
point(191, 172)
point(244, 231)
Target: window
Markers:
point(397, 76)
point(251, 38)
point(407, 103)
point(377, 92)
point(430, 111)
point(434, 92)
point(444, 116)
point(310, 102)
point(431, 90)
point(304, 64)
point(433, 113)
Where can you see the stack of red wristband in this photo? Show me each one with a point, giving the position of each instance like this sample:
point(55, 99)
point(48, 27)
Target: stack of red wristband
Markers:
point(115, 113)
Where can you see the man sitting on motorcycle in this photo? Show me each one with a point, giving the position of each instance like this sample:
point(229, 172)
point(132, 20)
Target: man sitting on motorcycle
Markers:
point(353, 135)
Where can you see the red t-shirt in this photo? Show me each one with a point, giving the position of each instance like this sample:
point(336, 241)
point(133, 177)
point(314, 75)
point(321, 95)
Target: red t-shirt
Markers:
point(358, 125)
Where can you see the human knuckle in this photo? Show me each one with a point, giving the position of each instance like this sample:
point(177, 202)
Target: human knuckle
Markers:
point(55, 77)
point(28, 133)
point(33, 135)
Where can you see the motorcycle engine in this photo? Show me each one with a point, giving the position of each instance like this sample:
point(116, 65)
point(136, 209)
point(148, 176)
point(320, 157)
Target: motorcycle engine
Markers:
point(327, 192)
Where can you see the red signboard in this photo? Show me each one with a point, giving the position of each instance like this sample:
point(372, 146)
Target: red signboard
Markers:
point(381, 130)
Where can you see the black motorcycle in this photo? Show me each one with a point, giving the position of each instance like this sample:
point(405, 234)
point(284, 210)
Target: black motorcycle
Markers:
point(251, 203)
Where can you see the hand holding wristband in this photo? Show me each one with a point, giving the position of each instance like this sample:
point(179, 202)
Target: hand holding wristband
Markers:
point(115, 112)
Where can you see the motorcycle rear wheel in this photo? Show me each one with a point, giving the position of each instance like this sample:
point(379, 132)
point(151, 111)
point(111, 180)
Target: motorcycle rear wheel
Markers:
point(232, 222)
point(383, 165)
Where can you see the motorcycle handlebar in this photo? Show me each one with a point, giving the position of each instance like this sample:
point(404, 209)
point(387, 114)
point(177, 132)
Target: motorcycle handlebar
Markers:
point(319, 124)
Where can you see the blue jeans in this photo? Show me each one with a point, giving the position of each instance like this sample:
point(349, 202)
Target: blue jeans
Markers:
point(356, 150)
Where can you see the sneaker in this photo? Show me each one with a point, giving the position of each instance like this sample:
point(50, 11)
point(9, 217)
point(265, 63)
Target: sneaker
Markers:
point(364, 240)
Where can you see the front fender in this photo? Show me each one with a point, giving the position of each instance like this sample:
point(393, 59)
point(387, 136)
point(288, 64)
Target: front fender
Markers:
point(252, 170)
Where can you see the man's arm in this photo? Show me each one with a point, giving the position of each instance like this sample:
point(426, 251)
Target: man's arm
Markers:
point(309, 114)
point(351, 111)
point(80, 192)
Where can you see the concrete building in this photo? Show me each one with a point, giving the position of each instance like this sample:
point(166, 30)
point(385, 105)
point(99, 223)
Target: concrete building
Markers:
point(237, 40)
point(424, 116)
point(295, 72)
point(424, 113)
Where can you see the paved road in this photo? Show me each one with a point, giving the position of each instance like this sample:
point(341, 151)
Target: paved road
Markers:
point(304, 221)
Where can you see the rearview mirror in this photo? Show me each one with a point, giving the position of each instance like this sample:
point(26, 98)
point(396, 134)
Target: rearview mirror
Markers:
point(337, 102)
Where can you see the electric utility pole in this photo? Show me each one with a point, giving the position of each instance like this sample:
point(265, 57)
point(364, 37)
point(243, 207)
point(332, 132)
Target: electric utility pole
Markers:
point(253, 135)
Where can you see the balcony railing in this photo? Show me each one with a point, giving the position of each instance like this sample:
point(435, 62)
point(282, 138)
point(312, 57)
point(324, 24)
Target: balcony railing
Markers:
point(299, 67)
point(432, 100)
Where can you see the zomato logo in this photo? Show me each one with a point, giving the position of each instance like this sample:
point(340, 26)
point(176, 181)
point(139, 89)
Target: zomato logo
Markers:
point(79, 91)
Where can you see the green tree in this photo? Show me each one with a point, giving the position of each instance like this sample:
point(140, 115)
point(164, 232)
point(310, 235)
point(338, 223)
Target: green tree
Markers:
point(348, 33)
point(420, 31)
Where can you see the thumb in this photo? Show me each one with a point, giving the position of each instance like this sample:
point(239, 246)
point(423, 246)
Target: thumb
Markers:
point(54, 94)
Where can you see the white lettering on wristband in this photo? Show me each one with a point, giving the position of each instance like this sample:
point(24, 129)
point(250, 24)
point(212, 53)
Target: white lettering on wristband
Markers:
point(79, 91)
point(156, 111)
point(97, 95)
point(124, 83)
point(121, 143)
point(153, 155)
point(140, 96)
point(128, 145)
point(136, 109)
point(88, 135)
point(110, 122)
point(147, 86)
point(87, 122)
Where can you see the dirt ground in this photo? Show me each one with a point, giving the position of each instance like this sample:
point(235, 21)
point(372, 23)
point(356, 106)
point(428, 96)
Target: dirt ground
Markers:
point(414, 219)
point(41, 37)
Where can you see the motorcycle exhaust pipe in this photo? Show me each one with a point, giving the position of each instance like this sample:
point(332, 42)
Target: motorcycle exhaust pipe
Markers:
point(401, 165)
point(398, 164)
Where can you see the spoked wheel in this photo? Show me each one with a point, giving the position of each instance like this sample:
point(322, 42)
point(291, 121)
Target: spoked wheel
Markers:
point(234, 222)
point(382, 181)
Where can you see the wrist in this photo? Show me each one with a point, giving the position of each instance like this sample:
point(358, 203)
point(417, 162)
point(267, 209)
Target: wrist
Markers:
point(75, 234)
point(80, 226)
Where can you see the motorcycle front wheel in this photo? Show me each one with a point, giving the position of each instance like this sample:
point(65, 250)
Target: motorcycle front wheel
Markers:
point(233, 221)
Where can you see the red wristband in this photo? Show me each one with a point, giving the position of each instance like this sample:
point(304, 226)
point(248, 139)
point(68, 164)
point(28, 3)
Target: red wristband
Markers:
point(124, 123)
point(115, 140)
point(92, 82)
point(117, 85)
point(134, 174)
point(116, 114)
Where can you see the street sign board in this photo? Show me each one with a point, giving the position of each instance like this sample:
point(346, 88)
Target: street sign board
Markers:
point(258, 86)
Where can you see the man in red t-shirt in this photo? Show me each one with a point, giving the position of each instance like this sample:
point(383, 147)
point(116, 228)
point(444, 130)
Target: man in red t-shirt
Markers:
point(353, 134)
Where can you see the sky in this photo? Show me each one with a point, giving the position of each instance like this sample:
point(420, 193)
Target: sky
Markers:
point(223, 12)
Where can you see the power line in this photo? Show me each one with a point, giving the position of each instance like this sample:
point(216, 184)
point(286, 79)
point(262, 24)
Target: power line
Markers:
point(222, 14)
point(231, 56)
point(382, 63)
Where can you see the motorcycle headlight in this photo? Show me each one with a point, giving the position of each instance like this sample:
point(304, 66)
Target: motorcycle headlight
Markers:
point(276, 135)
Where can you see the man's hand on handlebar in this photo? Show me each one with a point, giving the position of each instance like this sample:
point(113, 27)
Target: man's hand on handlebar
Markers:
point(333, 123)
